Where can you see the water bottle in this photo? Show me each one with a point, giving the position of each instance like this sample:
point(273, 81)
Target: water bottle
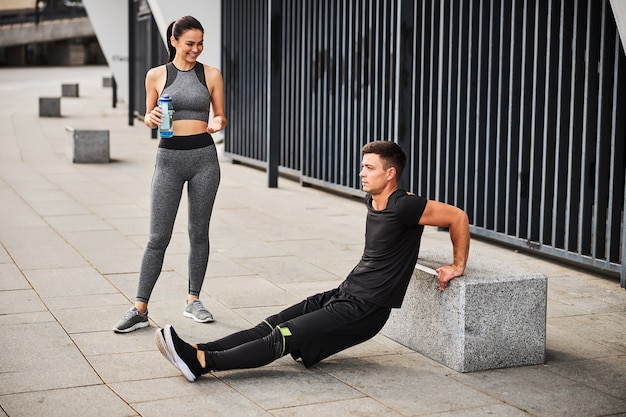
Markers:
point(166, 129)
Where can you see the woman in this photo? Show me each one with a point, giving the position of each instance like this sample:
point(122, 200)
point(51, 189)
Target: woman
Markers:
point(189, 156)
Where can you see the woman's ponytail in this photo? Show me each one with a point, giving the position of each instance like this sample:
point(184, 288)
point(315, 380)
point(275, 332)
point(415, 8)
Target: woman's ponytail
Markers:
point(171, 51)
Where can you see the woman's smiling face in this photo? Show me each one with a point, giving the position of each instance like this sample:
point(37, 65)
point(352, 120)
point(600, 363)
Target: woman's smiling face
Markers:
point(189, 45)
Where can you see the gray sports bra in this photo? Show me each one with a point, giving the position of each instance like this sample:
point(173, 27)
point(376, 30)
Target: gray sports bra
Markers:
point(190, 95)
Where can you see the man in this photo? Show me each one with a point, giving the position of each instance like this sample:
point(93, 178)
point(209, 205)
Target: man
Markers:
point(330, 322)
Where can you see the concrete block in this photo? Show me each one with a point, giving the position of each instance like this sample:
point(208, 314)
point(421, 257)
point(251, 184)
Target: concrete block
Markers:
point(87, 145)
point(493, 317)
point(69, 90)
point(49, 106)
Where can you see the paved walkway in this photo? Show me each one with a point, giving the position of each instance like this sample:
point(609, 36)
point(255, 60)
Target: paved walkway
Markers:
point(72, 237)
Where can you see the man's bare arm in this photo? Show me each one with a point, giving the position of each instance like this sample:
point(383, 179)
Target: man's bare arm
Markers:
point(455, 220)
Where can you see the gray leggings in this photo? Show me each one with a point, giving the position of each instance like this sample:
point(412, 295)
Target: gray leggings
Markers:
point(200, 169)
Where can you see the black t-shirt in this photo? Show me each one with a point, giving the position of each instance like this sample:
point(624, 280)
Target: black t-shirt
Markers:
point(392, 241)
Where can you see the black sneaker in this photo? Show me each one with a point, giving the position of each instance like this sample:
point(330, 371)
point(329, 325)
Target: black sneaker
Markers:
point(183, 355)
point(132, 320)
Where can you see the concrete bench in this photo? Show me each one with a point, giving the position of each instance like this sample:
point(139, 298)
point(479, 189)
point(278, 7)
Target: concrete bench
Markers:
point(493, 317)
point(69, 90)
point(87, 145)
point(49, 106)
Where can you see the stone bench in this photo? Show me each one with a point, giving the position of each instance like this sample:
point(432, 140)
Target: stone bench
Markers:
point(69, 90)
point(492, 317)
point(49, 106)
point(87, 145)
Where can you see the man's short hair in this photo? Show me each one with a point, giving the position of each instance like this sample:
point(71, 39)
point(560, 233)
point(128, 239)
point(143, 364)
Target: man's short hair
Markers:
point(390, 153)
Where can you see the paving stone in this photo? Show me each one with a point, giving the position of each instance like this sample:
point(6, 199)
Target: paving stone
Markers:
point(94, 401)
point(288, 386)
point(218, 404)
point(37, 366)
point(349, 408)
point(418, 387)
point(63, 282)
point(541, 392)
point(11, 278)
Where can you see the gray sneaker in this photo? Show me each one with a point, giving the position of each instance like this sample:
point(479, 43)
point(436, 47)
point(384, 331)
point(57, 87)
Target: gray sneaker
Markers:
point(132, 320)
point(195, 310)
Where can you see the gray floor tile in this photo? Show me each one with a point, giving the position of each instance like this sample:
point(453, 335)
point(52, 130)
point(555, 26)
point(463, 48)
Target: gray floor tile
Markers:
point(48, 256)
point(166, 388)
point(4, 257)
point(31, 365)
point(321, 250)
point(410, 387)
point(357, 407)
point(288, 269)
point(289, 385)
point(249, 248)
point(302, 290)
point(26, 317)
point(65, 282)
point(27, 237)
point(93, 401)
point(218, 404)
point(90, 319)
point(58, 208)
point(115, 260)
point(500, 410)
point(111, 343)
point(94, 240)
point(19, 302)
point(77, 222)
point(80, 301)
point(604, 374)
point(133, 366)
point(248, 291)
point(11, 278)
point(544, 393)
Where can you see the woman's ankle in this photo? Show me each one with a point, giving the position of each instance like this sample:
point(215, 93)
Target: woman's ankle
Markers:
point(141, 307)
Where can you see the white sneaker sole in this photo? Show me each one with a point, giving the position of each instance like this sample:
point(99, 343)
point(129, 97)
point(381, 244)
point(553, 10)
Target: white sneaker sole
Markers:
point(134, 327)
point(177, 360)
point(162, 345)
point(197, 320)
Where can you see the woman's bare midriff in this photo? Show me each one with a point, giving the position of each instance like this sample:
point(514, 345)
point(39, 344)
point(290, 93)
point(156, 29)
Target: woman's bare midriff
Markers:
point(189, 127)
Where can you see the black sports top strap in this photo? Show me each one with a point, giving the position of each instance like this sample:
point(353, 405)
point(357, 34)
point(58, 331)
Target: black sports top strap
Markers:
point(172, 72)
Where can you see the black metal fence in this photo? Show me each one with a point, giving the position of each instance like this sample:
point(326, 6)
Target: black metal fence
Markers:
point(520, 106)
point(512, 110)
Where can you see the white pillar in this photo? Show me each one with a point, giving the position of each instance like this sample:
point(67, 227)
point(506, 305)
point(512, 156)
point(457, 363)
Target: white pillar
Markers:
point(110, 23)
